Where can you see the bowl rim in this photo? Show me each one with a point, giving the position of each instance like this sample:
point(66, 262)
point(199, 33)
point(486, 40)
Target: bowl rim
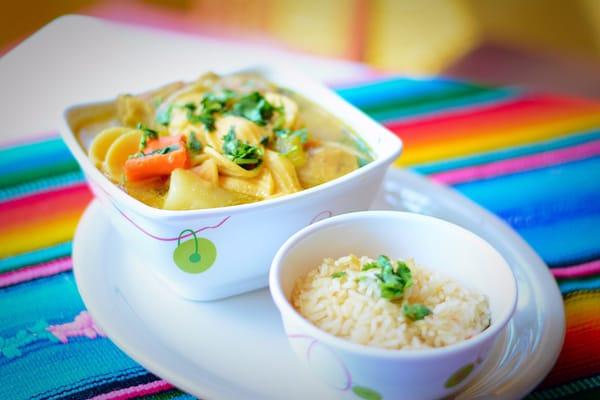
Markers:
point(288, 311)
point(383, 158)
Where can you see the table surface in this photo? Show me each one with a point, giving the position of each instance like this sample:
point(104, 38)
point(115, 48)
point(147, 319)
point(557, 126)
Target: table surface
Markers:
point(74, 67)
point(531, 158)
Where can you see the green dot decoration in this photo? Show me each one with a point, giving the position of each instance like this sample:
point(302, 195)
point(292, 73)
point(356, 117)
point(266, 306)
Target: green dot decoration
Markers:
point(366, 393)
point(195, 255)
point(459, 375)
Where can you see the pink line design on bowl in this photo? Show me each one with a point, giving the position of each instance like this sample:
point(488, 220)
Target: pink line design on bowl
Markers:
point(163, 239)
point(312, 344)
point(322, 215)
point(174, 238)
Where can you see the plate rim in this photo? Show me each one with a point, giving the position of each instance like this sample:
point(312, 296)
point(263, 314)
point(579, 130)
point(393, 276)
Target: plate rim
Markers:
point(451, 197)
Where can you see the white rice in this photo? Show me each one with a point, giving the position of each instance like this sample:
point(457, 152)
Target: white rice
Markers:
point(354, 310)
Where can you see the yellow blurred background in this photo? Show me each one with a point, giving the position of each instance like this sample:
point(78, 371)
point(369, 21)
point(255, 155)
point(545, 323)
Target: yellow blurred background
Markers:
point(543, 44)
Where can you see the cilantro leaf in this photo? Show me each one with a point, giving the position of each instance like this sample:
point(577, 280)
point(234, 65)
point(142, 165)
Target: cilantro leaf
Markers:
point(210, 104)
point(205, 119)
point(193, 144)
point(241, 153)
point(404, 272)
point(338, 274)
point(416, 312)
point(393, 282)
point(254, 107)
point(385, 263)
point(230, 142)
point(191, 107)
point(164, 150)
point(147, 134)
point(216, 102)
point(391, 290)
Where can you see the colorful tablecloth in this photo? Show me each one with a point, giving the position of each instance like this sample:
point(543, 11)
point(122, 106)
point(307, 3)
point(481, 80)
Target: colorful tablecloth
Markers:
point(532, 159)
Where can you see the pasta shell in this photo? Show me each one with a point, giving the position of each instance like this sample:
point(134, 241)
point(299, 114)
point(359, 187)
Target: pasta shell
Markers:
point(102, 143)
point(119, 151)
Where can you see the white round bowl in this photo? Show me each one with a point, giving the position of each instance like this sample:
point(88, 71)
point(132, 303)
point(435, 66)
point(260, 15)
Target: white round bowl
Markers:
point(359, 371)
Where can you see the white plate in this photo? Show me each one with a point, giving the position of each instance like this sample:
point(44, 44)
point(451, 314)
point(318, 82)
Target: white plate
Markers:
point(236, 348)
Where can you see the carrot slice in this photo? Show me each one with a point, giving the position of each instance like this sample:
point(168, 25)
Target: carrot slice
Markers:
point(164, 141)
point(153, 163)
point(311, 143)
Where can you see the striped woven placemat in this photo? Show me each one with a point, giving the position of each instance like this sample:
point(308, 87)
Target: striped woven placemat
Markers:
point(532, 159)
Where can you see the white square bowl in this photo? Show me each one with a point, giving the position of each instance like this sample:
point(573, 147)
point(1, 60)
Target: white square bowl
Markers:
point(235, 244)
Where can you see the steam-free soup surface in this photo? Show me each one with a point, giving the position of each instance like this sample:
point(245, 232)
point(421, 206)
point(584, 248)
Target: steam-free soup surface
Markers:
point(219, 141)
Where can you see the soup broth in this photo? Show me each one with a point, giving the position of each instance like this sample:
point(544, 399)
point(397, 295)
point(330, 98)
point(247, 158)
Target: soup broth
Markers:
point(218, 141)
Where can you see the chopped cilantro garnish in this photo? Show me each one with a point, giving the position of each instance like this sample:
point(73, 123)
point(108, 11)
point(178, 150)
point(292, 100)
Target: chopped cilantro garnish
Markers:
point(403, 271)
point(147, 134)
point(416, 312)
point(210, 103)
point(338, 274)
point(384, 262)
point(164, 150)
point(255, 108)
point(216, 102)
point(193, 143)
point(205, 119)
point(241, 153)
point(189, 107)
point(393, 282)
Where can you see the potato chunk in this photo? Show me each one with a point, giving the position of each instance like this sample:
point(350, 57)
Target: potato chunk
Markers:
point(188, 191)
point(324, 164)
